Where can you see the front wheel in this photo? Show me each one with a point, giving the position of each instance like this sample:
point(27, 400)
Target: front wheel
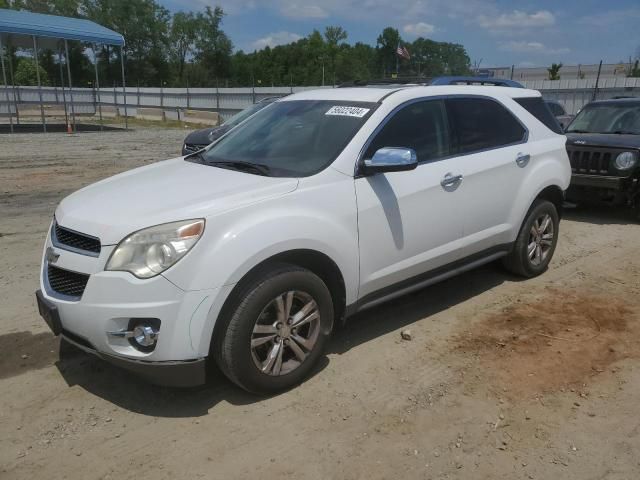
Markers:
point(276, 330)
point(536, 242)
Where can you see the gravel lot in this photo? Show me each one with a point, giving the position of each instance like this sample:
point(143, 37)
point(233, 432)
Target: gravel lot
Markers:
point(502, 379)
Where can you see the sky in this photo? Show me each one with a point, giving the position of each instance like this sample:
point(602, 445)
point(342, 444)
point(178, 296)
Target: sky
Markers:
point(494, 32)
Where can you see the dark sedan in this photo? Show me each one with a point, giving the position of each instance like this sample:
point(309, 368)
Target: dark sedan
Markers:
point(199, 139)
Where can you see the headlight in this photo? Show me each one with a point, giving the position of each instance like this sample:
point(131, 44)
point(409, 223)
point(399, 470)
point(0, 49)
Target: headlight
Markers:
point(149, 252)
point(626, 160)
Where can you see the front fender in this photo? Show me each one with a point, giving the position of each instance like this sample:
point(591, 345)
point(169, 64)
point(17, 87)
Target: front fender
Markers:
point(314, 217)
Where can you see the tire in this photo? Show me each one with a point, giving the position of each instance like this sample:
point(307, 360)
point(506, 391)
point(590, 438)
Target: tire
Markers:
point(520, 261)
point(257, 349)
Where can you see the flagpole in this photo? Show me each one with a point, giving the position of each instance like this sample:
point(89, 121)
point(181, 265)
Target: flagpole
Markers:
point(397, 59)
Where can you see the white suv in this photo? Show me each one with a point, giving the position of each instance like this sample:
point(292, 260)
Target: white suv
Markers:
point(324, 203)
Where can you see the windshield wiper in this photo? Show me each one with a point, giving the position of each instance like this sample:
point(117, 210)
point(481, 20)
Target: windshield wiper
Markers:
point(258, 168)
point(577, 131)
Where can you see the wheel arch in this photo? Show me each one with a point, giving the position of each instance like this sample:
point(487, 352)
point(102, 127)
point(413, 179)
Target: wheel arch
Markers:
point(313, 260)
point(554, 194)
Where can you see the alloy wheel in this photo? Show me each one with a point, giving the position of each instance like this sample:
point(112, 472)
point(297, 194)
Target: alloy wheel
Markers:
point(285, 333)
point(541, 237)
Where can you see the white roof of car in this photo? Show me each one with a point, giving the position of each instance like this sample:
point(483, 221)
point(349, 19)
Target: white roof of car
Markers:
point(368, 94)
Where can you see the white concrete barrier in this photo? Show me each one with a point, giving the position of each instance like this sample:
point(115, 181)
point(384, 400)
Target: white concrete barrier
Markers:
point(202, 117)
point(31, 110)
point(156, 114)
point(108, 111)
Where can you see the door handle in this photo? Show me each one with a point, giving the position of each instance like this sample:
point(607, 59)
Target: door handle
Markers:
point(450, 180)
point(522, 159)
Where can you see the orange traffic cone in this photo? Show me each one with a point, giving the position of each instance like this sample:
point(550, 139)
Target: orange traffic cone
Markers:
point(69, 131)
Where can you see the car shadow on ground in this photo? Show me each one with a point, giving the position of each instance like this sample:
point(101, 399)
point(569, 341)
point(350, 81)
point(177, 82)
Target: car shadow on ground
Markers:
point(602, 215)
point(130, 392)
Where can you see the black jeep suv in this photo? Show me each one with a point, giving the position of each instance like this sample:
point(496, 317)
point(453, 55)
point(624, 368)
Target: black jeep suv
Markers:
point(603, 143)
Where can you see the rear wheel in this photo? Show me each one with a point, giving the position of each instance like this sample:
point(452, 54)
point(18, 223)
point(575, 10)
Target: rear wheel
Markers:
point(276, 330)
point(536, 241)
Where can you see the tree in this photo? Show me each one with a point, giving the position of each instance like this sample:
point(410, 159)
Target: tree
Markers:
point(333, 36)
point(386, 46)
point(554, 71)
point(25, 73)
point(212, 46)
point(183, 35)
point(430, 58)
point(145, 26)
point(635, 71)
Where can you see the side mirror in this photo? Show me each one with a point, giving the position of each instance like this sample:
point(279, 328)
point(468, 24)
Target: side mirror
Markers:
point(391, 159)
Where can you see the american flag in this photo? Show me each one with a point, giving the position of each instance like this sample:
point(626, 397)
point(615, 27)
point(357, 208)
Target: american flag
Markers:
point(403, 52)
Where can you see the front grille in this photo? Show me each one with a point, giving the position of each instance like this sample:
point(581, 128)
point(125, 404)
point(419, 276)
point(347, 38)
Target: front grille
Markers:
point(66, 282)
point(64, 237)
point(590, 161)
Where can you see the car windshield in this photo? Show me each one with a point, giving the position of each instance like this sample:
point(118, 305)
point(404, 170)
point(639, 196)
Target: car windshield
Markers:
point(294, 138)
point(608, 118)
point(246, 113)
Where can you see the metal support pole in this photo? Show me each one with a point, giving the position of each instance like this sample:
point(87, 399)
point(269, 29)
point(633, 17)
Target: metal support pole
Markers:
point(217, 95)
point(188, 106)
point(97, 84)
point(64, 95)
point(13, 88)
point(253, 91)
point(6, 87)
point(73, 108)
point(124, 90)
point(35, 58)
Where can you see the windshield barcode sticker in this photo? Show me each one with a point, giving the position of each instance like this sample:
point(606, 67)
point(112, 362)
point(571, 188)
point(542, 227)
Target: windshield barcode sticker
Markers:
point(348, 111)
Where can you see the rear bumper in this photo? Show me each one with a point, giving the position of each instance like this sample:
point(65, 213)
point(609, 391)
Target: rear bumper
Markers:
point(597, 181)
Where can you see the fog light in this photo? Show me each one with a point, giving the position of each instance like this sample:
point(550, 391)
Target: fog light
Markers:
point(145, 335)
point(142, 333)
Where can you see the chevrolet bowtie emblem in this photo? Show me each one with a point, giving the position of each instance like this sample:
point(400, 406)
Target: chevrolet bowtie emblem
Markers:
point(51, 256)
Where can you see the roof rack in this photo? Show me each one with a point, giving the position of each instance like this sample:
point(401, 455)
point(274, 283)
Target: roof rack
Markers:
point(387, 82)
point(449, 80)
point(496, 82)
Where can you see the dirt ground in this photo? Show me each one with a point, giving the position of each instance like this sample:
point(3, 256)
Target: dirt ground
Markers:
point(503, 379)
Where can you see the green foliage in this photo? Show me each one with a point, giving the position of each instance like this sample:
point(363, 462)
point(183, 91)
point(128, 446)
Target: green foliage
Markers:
point(184, 27)
point(212, 46)
point(25, 73)
point(192, 48)
point(554, 71)
point(635, 71)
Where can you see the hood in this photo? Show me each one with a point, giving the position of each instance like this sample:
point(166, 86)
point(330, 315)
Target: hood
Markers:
point(163, 192)
point(206, 135)
point(604, 140)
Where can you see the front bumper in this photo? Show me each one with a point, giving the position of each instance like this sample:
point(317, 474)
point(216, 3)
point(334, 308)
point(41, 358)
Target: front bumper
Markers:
point(598, 181)
point(186, 373)
point(111, 299)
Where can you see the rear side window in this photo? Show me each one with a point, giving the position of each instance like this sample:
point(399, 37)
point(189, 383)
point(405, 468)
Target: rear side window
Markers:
point(481, 123)
point(541, 110)
point(421, 126)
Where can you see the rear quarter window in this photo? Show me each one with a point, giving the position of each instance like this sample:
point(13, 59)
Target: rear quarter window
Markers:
point(539, 109)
